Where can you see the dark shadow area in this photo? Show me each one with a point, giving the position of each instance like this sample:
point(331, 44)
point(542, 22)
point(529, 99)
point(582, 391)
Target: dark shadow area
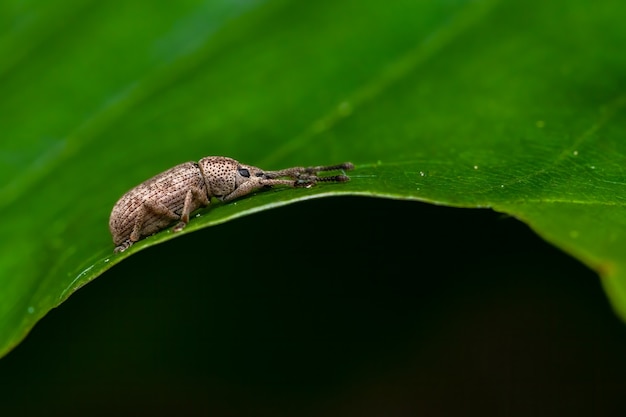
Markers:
point(333, 307)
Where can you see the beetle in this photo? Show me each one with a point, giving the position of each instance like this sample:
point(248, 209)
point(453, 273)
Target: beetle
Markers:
point(173, 195)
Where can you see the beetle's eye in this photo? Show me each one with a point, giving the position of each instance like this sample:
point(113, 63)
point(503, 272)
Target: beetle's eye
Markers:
point(244, 172)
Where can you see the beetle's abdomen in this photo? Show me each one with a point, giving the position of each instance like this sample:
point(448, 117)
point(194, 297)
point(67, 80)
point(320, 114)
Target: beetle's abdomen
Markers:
point(165, 191)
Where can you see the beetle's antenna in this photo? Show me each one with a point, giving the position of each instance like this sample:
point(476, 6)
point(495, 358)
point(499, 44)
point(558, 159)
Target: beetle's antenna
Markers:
point(346, 166)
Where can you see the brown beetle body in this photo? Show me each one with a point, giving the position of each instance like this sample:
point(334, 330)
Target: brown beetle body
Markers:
point(174, 194)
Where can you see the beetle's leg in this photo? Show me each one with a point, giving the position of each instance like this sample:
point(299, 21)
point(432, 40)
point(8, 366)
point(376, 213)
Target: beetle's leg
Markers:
point(150, 206)
point(194, 194)
point(123, 246)
point(248, 187)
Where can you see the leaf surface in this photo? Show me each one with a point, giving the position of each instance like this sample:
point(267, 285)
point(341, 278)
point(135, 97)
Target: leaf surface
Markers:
point(512, 105)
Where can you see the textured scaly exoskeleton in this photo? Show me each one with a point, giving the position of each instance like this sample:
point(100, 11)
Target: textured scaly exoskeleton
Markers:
point(173, 195)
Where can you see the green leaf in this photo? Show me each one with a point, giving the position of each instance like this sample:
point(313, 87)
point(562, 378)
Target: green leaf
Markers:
point(514, 105)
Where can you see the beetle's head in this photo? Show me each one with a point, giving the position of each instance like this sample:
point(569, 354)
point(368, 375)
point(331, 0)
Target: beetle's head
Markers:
point(224, 175)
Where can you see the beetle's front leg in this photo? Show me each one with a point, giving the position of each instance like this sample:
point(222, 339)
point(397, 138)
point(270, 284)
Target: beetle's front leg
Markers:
point(248, 187)
point(306, 177)
point(194, 194)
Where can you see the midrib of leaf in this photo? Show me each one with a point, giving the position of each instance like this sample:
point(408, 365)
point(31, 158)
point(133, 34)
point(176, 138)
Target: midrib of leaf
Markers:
point(573, 202)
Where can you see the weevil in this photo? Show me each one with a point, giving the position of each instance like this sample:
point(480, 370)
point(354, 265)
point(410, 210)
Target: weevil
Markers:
point(173, 195)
